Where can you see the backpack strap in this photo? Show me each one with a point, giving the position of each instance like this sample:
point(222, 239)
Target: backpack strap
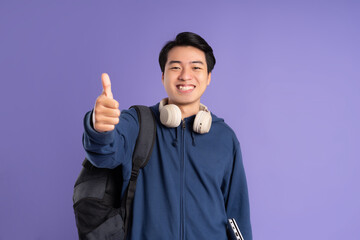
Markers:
point(141, 155)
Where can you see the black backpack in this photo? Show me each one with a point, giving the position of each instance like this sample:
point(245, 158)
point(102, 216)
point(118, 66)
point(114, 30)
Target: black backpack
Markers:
point(100, 212)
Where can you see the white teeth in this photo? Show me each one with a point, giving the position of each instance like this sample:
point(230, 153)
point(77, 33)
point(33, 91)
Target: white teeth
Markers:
point(185, 88)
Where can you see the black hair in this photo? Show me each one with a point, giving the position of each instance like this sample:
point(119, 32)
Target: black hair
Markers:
point(188, 39)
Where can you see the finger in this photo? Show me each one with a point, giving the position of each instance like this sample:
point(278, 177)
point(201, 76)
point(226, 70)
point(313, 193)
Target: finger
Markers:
point(104, 127)
point(108, 112)
point(108, 102)
point(105, 79)
point(106, 120)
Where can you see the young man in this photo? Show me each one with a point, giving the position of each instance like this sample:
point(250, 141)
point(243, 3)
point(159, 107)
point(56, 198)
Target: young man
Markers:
point(195, 180)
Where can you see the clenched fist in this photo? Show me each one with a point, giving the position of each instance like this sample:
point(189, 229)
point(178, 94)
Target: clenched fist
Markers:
point(106, 111)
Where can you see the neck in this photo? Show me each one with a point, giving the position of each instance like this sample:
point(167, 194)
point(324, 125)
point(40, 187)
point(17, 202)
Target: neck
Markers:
point(188, 110)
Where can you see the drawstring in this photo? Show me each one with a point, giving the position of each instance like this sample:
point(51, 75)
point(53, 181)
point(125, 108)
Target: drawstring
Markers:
point(193, 138)
point(175, 140)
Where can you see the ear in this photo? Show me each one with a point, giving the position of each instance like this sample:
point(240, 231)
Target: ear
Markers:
point(209, 79)
point(162, 78)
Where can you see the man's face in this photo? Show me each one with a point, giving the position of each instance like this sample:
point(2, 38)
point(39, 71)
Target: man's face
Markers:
point(185, 76)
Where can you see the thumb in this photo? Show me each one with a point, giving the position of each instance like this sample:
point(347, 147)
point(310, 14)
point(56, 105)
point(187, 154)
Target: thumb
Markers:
point(106, 85)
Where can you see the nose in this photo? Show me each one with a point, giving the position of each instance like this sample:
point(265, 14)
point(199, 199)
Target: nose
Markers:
point(185, 74)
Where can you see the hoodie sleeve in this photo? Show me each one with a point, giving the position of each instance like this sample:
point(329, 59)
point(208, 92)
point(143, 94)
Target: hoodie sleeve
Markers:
point(110, 149)
point(237, 201)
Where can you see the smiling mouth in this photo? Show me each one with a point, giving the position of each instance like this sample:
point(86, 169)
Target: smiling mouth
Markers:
point(185, 88)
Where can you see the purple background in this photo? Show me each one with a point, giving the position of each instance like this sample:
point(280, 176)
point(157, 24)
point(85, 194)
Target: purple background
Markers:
point(286, 80)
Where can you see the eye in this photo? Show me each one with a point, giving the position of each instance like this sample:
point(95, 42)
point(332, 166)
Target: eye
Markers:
point(174, 68)
point(196, 68)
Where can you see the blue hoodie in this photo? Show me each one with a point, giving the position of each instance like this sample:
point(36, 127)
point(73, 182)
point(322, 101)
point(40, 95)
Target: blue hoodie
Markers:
point(191, 185)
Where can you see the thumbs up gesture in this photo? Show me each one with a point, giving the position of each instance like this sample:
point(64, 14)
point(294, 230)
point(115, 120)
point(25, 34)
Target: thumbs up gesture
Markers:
point(106, 112)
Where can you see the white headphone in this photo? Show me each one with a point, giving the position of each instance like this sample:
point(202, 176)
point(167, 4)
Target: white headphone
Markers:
point(170, 116)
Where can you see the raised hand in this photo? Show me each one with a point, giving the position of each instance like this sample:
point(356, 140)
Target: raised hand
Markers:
point(106, 111)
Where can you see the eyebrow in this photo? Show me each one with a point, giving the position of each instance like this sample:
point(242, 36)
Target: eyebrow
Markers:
point(173, 61)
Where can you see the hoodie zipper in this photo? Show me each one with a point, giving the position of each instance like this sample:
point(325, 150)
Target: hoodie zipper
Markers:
point(182, 180)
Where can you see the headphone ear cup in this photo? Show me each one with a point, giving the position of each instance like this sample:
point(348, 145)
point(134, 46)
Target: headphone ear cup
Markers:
point(170, 115)
point(202, 122)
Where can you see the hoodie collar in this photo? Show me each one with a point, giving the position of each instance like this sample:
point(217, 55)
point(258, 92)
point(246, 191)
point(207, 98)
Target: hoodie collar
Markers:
point(189, 124)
